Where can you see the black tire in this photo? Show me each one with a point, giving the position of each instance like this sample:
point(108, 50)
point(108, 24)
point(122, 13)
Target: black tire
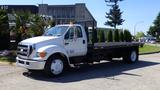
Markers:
point(50, 66)
point(131, 57)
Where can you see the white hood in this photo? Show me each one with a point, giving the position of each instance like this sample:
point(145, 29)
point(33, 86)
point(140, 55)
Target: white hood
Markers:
point(39, 39)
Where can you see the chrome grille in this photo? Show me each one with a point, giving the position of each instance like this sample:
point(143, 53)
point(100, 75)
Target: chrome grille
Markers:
point(23, 50)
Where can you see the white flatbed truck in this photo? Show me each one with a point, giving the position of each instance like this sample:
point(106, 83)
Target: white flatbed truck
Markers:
point(65, 46)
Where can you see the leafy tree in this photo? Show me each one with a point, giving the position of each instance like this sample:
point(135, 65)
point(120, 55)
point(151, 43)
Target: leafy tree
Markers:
point(152, 31)
point(37, 26)
point(116, 35)
point(28, 25)
point(114, 15)
point(102, 37)
point(121, 36)
point(109, 36)
point(139, 35)
point(155, 29)
point(4, 30)
point(23, 20)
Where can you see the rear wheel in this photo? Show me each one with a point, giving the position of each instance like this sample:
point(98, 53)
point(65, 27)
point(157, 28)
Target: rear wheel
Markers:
point(54, 66)
point(132, 57)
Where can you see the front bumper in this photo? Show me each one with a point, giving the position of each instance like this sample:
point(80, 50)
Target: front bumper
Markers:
point(30, 64)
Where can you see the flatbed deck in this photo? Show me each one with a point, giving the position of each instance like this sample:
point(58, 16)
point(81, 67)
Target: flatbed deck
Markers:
point(113, 45)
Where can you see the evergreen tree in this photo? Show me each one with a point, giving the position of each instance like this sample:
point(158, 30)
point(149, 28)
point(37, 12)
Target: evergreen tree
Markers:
point(121, 36)
point(114, 15)
point(94, 36)
point(127, 36)
point(102, 37)
point(109, 36)
point(116, 35)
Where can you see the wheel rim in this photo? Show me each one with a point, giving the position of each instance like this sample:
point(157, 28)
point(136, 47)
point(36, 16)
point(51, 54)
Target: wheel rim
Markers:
point(133, 56)
point(57, 66)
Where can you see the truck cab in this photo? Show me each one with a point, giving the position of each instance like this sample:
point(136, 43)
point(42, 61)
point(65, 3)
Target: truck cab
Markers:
point(52, 50)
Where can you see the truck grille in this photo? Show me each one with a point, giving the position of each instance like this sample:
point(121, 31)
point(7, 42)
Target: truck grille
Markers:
point(24, 50)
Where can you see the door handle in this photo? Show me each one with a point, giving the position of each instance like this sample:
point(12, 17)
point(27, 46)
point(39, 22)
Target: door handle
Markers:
point(66, 43)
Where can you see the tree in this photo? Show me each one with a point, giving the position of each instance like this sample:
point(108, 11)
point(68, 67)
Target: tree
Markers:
point(116, 35)
point(109, 36)
point(127, 36)
point(106, 35)
point(28, 25)
point(139, 35)
point(114, 15)
point(155, 29)
point(121, 36)
point(94, 36)
point(4, 30)
point(152, 31)
point(37, 26)
point(23, 20)
point(102, 37)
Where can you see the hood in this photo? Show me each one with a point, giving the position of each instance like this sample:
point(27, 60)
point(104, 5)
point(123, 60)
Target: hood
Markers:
point(39, 39)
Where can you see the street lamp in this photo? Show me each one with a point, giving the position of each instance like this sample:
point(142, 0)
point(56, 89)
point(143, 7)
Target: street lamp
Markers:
point(136, 26)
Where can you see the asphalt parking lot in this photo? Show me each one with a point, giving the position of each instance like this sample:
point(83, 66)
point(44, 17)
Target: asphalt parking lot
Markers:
point(144, 75)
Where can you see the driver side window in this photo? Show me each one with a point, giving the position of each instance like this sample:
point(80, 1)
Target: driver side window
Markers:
point(69, 34)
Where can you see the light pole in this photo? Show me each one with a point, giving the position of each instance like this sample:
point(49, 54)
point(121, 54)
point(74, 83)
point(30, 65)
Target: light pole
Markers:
point(136, 26)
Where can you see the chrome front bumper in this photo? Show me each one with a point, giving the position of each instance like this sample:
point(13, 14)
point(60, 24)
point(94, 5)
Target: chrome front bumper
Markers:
point(30, 64)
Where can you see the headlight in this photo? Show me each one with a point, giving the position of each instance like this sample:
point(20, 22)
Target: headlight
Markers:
point(41, 54)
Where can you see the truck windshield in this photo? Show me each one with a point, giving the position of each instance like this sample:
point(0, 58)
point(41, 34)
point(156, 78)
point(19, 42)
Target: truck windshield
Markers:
point(56, 31)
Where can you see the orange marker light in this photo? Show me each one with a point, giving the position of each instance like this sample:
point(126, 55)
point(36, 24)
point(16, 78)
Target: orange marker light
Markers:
point(42, 54)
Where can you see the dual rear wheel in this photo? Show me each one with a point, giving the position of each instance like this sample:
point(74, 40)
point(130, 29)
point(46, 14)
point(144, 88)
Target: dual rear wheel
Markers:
point(131, 57)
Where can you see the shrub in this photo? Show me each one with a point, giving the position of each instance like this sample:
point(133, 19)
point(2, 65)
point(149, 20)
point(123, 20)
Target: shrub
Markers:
point(109, 36)
point(101, 36)
point(127, 36)
point(4, 30)
point(116, 35)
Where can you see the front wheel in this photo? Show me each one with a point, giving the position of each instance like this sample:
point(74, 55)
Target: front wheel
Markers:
point(54, 66)
point(132, 57)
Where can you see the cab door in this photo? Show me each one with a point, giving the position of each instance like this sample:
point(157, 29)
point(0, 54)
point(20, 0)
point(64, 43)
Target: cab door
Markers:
point(74, 42)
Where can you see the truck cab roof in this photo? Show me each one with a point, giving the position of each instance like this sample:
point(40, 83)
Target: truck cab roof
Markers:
point(68, 25)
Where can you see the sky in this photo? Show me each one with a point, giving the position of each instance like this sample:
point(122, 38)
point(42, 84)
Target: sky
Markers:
point(138, 14)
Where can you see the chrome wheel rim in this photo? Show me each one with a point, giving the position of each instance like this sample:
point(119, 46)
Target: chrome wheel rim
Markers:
point(133, 56)
point(57, 66)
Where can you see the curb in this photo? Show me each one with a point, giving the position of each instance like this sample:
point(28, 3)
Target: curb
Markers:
point(149, 53)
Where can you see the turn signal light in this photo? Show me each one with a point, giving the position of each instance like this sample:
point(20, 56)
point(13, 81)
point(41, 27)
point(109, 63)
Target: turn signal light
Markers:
point(42, 54)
